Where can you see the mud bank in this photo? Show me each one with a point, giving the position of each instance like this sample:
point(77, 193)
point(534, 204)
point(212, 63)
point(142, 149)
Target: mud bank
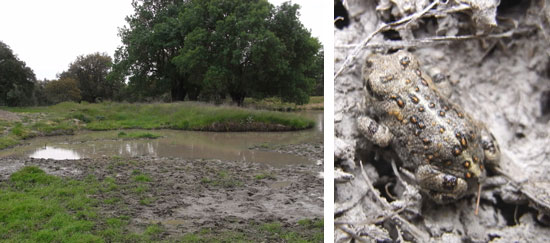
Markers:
point(187, 196)
point(313, 151)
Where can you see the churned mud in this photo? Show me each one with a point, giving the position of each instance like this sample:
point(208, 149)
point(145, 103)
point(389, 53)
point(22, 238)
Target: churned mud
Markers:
point(187, 196)
point(495, 54)
point(9, 116)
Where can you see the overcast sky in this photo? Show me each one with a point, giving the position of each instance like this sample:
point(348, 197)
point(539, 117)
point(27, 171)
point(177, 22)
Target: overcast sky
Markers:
point(49, 35)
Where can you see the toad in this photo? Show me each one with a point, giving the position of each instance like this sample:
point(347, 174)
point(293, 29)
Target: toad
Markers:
point(445, 148)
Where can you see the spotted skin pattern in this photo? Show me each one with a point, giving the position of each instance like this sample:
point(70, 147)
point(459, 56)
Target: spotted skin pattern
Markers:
point(442, 144)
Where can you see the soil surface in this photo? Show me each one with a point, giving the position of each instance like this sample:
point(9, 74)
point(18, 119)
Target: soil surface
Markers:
point(189, 195)
point(313, 151)
point(9, 116)
point(501, 77)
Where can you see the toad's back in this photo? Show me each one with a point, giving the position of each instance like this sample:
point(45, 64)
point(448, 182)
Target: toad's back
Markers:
point(427, 127)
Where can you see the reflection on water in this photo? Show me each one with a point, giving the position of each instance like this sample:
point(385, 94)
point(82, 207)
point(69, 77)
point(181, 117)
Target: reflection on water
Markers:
point(54, 153)
point(180, 144)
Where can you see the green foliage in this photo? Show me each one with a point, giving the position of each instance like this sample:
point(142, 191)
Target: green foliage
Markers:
point(185, 116)
point(17, 81)
point(206, 49)
point(142, 178)
point(64, 89)
point(21, 131)
point(263, 232)
point(91, 73)
point(7, 141)
point(222, 179)
point(60, 119)
point(265, 176)
point(37, 207)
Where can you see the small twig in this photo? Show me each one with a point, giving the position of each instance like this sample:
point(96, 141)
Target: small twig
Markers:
point(351, 233)
point(433, 40)
point(338, 19)
point(421, 236)
point(384, 27)
point(439, 12)
point(396, 172)
point(371, 187)
point(516, 215)
point(399, 235)
point(386, 187)
point(378, 220)
point(478, 199)
point(348, 206)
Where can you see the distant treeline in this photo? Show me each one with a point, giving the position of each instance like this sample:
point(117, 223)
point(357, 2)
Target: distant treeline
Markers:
point(206, 50)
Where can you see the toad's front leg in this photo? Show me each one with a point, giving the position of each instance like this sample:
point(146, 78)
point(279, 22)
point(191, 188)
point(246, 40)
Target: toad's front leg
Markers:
point(374, 132)
point(442, 188)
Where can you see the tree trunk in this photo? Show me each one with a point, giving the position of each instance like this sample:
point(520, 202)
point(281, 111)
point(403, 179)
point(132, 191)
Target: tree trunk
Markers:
point(238, 97)
point(178, 91)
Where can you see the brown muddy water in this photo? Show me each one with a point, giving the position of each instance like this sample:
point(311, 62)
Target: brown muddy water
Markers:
point(233, 146)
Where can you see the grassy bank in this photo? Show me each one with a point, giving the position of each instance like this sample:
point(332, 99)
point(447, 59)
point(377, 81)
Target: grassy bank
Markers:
point(276, 104)
point(37, 207)
point(68, 117)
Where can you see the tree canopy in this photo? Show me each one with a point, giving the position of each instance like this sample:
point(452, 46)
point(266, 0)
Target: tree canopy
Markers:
point(64, 89)
point(205, 49)
point(91, 73)
point(17, 81)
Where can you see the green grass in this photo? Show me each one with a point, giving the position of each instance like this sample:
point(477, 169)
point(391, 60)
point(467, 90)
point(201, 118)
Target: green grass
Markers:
point(272, 232)
point(36, 207)
point(222, 179)
point(183, 115)
point(7, 141)
point(68, 117)
point(276, 104)
point(142, 178)
point(265, 176)
point(316, 99)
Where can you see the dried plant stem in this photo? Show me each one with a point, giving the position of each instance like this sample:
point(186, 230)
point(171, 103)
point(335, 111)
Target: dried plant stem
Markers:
point(432, 40)
point(400, 221)
point(351, 233)
point(384, 27)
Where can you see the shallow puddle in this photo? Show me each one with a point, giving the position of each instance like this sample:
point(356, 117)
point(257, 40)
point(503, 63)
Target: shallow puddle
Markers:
point(180, 144)
point(54, 153)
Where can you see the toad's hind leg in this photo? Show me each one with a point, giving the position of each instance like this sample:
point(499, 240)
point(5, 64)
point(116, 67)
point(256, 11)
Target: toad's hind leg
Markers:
point(442, 187)
point(374, 132)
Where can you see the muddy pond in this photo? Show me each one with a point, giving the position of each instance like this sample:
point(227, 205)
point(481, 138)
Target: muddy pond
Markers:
point(232, 146)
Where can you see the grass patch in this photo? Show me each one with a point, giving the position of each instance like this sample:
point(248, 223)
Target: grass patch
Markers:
point(20, 131)
point(266, 232)
point(139, 177)
point(183, 115)
point(68, 117)
point(276, 104)
point(37, 207)
point(7, 141)
point(316, 100)
point(265, 176)
point(207, 236)
point(222, 179)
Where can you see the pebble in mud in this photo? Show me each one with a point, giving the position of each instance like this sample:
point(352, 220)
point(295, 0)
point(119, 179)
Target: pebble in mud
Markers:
point(445, 148)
